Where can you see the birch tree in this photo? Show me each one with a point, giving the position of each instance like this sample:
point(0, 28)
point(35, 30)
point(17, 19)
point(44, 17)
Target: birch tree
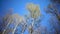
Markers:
point(34, 13)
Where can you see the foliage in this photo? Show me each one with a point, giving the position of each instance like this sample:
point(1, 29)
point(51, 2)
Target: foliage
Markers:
point(52, 9)
point(34, 10)
point(17, 24)
point(55, 1)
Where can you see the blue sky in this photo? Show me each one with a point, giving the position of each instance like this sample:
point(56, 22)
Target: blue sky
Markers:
point(19, 6)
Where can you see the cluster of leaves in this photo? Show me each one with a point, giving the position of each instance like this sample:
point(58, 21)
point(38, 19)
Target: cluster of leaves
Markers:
point(55, 1)
point(54, 11)
point(34, 10)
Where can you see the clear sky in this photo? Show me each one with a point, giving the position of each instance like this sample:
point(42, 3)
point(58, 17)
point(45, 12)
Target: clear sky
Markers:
point(19, 6)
